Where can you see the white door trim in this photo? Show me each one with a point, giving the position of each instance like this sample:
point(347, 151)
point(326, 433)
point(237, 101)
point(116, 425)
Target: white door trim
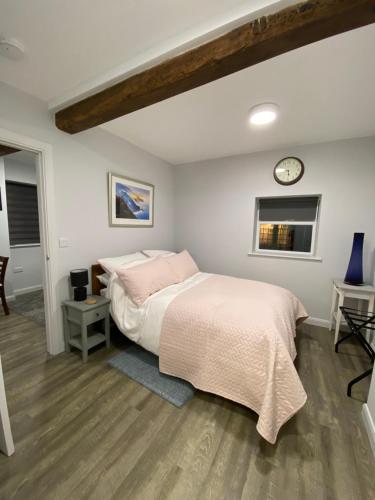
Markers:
point(6, 438)
point(48, 241)
point(369, 425)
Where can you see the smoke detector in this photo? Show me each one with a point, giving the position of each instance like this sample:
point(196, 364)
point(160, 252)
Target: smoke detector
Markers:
point(11, 48)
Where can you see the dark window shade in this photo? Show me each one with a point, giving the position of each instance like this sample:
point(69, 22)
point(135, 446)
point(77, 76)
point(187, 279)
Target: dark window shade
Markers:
point(298, 208)
point(22, 203)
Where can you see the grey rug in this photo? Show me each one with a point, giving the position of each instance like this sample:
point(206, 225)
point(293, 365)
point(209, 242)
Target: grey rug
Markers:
point(143, 367)
point(30, 305)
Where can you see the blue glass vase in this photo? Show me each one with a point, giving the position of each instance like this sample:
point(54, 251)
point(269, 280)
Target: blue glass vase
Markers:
point(354, 274)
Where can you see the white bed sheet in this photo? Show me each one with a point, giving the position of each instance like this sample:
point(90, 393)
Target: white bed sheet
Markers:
point(143, 324)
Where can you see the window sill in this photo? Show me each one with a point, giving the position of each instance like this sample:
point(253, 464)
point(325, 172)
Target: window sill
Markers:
point(25, 245)
point(279, 256)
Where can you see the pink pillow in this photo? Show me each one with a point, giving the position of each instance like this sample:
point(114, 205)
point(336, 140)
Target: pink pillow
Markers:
point(146, 279)
point(183, 265)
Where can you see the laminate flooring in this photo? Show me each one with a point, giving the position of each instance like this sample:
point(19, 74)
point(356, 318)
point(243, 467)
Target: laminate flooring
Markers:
point(87, 431)
point(30, 305)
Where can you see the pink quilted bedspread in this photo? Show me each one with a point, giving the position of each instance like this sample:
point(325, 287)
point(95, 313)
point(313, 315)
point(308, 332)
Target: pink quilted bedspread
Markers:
point(235, 338)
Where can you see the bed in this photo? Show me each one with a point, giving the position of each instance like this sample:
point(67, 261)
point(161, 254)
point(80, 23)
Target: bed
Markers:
point(228, 336)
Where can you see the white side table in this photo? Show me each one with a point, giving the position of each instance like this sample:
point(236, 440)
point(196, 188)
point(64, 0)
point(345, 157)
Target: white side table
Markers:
point(340, 292)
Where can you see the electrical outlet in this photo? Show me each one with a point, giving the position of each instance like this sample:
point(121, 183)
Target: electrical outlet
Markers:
point(18, 269)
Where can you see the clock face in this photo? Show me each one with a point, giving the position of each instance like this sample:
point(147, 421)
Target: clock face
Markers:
point(288, 171)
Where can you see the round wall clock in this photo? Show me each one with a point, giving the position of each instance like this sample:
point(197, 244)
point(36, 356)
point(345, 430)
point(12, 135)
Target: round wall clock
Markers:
point(288, 171)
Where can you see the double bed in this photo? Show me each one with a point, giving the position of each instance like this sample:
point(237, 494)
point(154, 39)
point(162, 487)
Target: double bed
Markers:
point(228, 336)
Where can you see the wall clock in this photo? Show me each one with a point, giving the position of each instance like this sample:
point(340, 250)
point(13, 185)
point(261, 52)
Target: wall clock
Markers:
point(288, 171)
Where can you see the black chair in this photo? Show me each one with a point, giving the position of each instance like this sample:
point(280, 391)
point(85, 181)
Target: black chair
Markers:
point(359, 323)
point(3, 268)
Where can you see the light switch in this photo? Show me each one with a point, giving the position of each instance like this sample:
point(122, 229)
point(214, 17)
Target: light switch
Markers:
point(18, 269)
point(63, 242)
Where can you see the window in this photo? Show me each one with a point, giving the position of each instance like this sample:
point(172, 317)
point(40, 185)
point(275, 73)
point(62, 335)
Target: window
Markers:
point(23, 221)
point(286, 225)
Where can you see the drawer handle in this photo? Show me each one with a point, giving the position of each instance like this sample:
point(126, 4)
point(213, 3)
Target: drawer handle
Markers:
point(97, 314)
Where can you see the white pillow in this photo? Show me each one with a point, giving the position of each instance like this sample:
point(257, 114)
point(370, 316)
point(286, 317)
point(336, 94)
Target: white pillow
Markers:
point(156, 253)
point(183, 265)
point(104, 278)
point(110, 264)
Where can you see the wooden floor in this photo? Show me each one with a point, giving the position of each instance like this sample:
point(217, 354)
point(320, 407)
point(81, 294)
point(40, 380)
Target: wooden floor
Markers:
point(87, 431)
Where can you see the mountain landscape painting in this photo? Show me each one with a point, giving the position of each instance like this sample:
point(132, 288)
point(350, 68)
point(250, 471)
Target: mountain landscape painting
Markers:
point(131, 202)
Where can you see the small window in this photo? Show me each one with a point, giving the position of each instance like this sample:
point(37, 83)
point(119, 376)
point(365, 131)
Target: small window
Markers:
point(286, 225)
point(23, 220)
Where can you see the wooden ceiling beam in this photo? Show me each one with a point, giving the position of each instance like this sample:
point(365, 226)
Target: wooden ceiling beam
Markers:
point(7, 150)
point(250, 44)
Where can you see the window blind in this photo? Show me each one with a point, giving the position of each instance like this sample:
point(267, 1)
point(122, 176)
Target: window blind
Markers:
point(23, 220)
point(299, 209)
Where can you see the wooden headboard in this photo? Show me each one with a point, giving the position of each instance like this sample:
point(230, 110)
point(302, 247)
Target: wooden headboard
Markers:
point(96, 269)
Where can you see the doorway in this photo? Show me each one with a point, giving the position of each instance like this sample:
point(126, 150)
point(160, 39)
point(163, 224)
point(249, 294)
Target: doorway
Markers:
point(47, 299)
point(20, 235)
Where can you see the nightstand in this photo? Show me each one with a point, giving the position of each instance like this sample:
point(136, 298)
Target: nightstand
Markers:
point(77, 317)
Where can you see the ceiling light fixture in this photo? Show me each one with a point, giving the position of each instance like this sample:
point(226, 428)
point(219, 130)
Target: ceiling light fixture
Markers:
point(263, 114)
point(11, 48)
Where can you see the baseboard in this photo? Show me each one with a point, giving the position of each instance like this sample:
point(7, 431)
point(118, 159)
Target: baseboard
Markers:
point(324, 323)
point(10, 298)
point(317, 322)
point(28, 289)
point(369, 425)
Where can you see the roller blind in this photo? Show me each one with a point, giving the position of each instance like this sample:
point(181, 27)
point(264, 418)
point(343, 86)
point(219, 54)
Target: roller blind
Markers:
point(23, 221)
point(297, 208)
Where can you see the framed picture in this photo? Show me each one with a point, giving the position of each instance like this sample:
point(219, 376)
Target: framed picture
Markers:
point(131, 202)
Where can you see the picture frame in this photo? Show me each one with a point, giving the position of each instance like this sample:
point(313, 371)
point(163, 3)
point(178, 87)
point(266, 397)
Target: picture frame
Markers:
point(131, 202)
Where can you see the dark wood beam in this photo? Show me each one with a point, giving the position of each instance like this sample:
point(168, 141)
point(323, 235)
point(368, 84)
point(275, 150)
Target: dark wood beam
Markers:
point(7, 150)
point(250, 44)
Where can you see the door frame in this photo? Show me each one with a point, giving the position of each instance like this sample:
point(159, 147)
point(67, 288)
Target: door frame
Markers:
point(48, 241)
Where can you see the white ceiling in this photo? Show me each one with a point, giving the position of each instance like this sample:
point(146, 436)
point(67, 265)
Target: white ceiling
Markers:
point(325, 92)
point(74, 46)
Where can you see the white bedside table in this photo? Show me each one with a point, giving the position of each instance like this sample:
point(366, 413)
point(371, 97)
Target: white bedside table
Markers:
point(341, 291)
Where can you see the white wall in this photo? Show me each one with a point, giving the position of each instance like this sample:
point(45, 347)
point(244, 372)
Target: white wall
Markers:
point(215, 203)
point(30, 260)
point(4, 232)
point(17, 171)
point(27, 258)
point(81, 163)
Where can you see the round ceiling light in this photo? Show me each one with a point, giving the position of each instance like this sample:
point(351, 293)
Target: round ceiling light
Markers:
point(11, 48)
point(263, 114)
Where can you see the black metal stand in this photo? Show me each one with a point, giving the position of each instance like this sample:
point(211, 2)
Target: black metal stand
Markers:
point(358, 322)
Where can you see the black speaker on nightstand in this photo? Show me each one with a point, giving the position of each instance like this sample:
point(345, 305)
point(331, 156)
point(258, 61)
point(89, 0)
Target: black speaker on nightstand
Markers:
point(79, 279)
